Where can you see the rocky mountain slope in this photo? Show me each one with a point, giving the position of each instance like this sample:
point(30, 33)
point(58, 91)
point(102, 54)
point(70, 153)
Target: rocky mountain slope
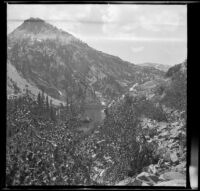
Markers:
point(170, 90)
point(63, 66)
point(164, 130)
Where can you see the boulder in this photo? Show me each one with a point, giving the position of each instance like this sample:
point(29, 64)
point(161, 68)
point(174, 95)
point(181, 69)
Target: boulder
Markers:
point(173, 157)
point(173, 144)
point(145, 184)
point(135, 183)
point(152, 169)
point(155, 178)
point(162, 151)
point(148, 178)
point(162, 126)
point(174, 133)
point(181, 167)
point(143, 178)
point(124, 182)
point(164, 134)
point(172, 176)
point(176, 182)
point(166, 156)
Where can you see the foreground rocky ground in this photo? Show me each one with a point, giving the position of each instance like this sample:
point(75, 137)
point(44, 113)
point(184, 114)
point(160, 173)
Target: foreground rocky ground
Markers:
point(42, 152)
point(141, 141)
point(169, 138)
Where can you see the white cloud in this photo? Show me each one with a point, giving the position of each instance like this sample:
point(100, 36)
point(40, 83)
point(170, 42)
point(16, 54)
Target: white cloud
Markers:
point(67, 17)
point(145, 20)
point(114, 24)
point(119, 20)
point(112, 14)
point(165, 20)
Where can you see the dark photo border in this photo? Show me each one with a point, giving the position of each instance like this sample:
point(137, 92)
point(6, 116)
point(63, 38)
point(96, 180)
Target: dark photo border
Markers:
point(192, 81)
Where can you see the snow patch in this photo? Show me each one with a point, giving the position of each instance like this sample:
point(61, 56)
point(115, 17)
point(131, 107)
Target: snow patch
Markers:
point(100, 141)
point(133, 87)
point(103, 103)
point(94, 155)
point(60, 92)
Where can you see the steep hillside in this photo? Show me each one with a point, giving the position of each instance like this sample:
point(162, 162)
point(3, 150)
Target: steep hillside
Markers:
point(62, 65)
point(138, 144)
point(171, 90)
point(17, 85)
point(175, 94)
point(145, 131)
point(177, 69)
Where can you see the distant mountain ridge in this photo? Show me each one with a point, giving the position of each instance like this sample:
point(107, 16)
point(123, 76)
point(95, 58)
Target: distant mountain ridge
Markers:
point(61, 65)
point(161, 67)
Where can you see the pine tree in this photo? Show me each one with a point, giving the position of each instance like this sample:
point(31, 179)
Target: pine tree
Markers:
point(52, 112)
point(39, 99)
point(27, 89)
point(43, 99)
point(39, 102)
point(47, 103)
point(47, 107)
point(61, 112)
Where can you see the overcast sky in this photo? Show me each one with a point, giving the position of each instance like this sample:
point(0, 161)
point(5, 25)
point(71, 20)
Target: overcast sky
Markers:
point(135, 33)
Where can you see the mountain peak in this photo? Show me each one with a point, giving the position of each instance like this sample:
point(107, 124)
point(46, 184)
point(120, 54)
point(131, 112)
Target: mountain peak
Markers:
point(37, 27)
point(32, 19)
